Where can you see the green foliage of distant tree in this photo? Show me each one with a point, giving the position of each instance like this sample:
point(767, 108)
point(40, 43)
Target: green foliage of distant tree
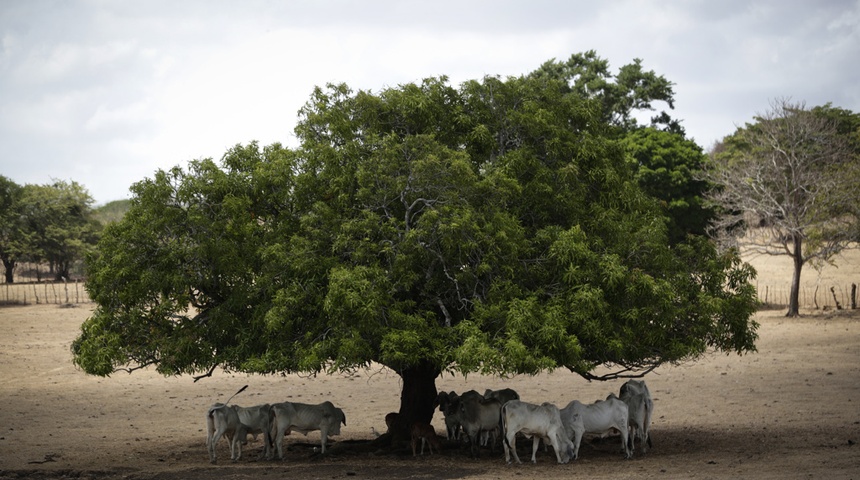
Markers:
point(496, 227)
point(846, 200)
point(58, 223)
point(786, 184)
point(665, 163)
point(667, 166)
point(619, 96)
point(13, 238)
point(111, 212)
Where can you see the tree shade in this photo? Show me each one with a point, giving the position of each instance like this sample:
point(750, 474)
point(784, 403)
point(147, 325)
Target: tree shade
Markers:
point(496, 227)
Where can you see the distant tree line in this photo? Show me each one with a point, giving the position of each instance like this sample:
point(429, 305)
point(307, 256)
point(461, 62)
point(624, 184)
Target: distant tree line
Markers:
point(53, 225)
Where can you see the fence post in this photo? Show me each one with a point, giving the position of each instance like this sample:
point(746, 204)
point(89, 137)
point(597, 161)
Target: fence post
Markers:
point(835, 300)
point(853, 296)
point(815, 297)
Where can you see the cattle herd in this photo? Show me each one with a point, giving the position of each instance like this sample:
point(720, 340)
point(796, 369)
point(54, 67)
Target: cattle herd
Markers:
point(479, 420)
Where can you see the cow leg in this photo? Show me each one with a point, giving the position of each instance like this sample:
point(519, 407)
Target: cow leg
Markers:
point(474, 439)
point(211, 445)
point(535, 445)
point(631, 437)
point(267, 450)
point(279, 440)
point(323, 438)
point(628, 454)
point(211, 438)
point(646, 429)
point(218, 434)
point(236, 448)
point(510, 445)
point(577, 439)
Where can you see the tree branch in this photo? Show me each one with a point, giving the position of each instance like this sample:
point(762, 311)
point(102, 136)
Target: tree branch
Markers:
point(620, 373)
point(205, 375)
point(141, 366)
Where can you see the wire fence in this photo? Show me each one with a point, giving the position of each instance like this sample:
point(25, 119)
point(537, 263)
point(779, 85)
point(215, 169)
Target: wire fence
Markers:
point(34, 293)
point(831, 297)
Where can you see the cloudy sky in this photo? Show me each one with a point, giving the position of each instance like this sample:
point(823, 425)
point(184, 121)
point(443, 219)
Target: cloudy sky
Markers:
point(105, 92)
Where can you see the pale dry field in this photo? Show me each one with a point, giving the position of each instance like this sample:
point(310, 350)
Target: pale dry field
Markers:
point(790, 410)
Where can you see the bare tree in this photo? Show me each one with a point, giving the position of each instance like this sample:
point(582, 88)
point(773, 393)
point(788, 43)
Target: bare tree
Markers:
point(781, 184)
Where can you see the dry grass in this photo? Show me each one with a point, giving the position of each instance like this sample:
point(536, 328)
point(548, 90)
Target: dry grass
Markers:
point(791, 410)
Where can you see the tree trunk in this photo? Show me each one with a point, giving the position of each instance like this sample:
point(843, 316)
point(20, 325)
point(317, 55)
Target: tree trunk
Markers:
point(793, 299)
point(62, 270)
point(416, 399)
point(10, 268)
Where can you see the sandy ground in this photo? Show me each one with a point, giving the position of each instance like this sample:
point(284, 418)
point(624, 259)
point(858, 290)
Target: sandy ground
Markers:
point(790, 410)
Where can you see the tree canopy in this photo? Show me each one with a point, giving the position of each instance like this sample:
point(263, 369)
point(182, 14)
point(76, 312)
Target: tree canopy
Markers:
point(50, 223)
point(787, 185)
point(12, 233)
point(668, 167)
point(496, 227)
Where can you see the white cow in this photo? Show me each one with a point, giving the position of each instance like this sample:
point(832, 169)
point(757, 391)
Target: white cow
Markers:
point(259, 421)
point(304, 418)
point(600, 418)
point(222, 420)
point(538, 422)
point(640, 409)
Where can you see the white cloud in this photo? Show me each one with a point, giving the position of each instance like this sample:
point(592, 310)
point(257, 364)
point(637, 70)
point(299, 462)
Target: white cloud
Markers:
point(112, 91)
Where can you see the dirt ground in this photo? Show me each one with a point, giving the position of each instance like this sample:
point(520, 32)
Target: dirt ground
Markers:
point(790, 410)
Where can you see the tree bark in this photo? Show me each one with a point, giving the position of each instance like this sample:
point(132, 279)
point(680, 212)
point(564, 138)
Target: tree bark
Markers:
point(797, 256)
point(9, 265)
point(416, 399)
point(853, 296)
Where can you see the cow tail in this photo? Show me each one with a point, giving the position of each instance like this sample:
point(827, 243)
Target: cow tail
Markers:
point(503, 425)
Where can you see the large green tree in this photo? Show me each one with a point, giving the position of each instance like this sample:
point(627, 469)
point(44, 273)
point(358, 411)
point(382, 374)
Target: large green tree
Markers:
point(12, 232)
point(59, 224)
point(620, 96)
point(787, 185)
point(668, 167)
point(495, 227)
point(665, 162)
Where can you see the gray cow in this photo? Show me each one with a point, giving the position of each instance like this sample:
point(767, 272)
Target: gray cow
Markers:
point(304, 418)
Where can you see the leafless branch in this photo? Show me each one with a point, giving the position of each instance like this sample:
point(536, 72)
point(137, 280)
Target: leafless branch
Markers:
point(627, 372)
point(140, 366)
point(205, 375)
